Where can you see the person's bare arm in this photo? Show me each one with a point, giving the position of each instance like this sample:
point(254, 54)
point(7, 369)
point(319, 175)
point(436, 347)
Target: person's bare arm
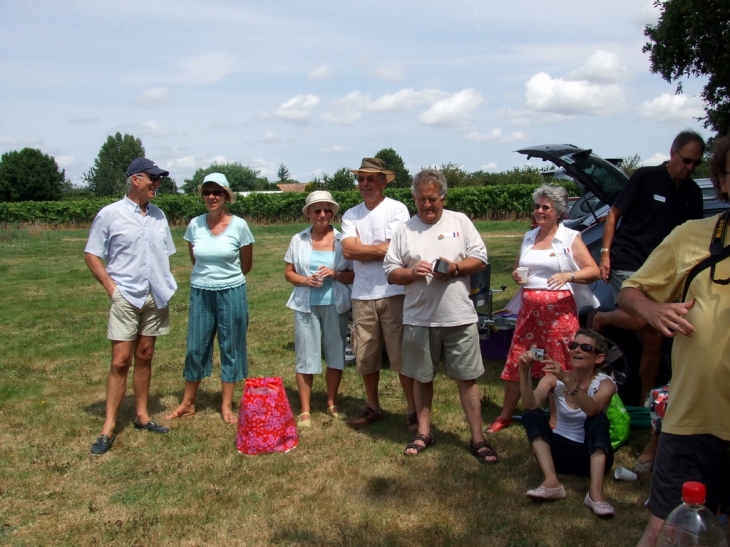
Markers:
point(668, 318)
point(588, 272)
point(609, 230)
point(96, 266)
point(404, 276)
point(190, 251)
point(533, 398)
point(246, 253)
point(353, 249)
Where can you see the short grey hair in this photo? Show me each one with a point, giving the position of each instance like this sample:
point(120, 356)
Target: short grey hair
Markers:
point(685, 137)
point(557, 194)
point(129, 183)
point(430, 176)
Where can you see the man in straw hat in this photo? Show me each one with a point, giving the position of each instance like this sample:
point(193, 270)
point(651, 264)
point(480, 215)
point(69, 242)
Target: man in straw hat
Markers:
point(377, 306)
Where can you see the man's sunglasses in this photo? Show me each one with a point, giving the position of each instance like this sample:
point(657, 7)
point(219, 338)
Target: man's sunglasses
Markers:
point(153, 178)
point(216, 193)
point(369, 178)
point(583, 347)
point(688, 161)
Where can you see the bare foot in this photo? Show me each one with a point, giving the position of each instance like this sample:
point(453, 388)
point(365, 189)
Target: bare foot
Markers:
point(185, 409)
point(229, 417)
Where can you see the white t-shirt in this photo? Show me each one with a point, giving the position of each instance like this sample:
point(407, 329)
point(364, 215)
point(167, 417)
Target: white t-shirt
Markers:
point(430, 302)
point(373, 227)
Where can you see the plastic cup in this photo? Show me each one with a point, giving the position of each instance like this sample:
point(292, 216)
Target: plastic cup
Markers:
point(522, 273)
point(623, 474)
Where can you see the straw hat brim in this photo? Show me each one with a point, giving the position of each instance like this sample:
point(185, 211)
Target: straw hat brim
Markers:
point(389, 175)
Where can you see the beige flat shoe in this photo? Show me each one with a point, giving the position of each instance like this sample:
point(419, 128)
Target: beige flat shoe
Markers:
point(304, 420)
point(335, 412)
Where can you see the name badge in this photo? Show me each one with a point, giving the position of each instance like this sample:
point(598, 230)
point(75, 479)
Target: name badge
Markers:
point(657, 197)
point(450, 235)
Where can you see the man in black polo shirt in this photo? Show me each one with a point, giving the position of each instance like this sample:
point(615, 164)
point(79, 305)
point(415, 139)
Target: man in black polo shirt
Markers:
point(654, 202)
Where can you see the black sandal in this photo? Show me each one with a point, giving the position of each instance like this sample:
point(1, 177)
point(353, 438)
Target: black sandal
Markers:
point(427, 441)
point(481, 454)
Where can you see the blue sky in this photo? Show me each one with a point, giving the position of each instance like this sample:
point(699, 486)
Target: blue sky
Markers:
point(319, 85)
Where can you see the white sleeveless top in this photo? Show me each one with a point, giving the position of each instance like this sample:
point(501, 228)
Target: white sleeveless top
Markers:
point(571, 420)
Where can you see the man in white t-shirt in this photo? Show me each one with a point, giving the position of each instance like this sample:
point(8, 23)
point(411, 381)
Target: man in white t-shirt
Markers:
point(377, 306)
point(432, 256)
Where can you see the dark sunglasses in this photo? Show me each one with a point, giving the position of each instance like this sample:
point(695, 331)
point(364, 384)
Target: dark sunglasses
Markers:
point(583, 347)
point(545, 208)
point(153, 178)
point(688, 161)
point(325, 211)
point(369, 178)
point(216, 193)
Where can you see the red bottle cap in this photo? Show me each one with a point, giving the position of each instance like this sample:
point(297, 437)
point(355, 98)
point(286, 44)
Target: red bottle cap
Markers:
point(693, 492)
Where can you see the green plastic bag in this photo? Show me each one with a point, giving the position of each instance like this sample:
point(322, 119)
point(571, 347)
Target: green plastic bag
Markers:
point(620, 421)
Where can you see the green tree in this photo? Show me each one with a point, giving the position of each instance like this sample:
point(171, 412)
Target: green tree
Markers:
point(395, 163)
point(283, 174)
point(691, 39)
point(240, 178)
point(167, 186)
point(30, 175)
point(341, 180)
point(456, 176)
point(108, 176)
point(629, 164)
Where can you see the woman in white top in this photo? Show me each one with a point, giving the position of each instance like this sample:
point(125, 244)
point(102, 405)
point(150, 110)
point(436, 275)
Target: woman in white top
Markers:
point(320, 300)
point(547, 304)
point(580, 443)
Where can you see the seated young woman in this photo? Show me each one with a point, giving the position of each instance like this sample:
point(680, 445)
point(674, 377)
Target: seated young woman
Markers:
point(580, 444)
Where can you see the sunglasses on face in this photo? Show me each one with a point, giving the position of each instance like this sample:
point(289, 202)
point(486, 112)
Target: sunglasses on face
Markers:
point(153, 178)
point(584, 347)
point(544, 208)
point(369, 178)
point(320, 211)
point(688, 161)
point(216, 193)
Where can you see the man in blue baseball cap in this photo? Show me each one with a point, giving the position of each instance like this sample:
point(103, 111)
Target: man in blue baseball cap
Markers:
point(133, 238)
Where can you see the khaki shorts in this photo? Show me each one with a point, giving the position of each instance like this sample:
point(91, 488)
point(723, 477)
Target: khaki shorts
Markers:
point(424, 347)
point(377, 323)
point(126, 321)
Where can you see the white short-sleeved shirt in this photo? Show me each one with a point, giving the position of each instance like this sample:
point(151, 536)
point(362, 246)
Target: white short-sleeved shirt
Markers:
point(217, 258)
point(430, 302)
point(136, 249)
point(373, 227)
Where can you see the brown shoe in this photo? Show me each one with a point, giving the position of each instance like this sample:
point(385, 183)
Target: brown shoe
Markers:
point(368, 418)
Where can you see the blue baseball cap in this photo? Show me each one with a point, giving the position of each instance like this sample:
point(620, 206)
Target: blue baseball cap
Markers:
point(143, 165)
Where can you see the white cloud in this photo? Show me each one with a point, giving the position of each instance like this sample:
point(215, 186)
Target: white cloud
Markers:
point(453, 109)
point(153, 97)
point(153, 129)
point(272, 136)
point(671, 108)
point(223, 124)
point(495, 135)
point(524, 118)
point(297, 109)
point(649, 14)
point(657, 159)
point(64, 162)
point(206, 68)
point(388, 73)
point(557, 95)
point(335, 149)
point(11, 141)
point(491, 166)
point(321, 73)
point(82, 121)
point(601, 67)
point(406, 99)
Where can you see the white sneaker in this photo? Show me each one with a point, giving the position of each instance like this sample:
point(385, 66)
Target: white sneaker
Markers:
point(600, 508)
point(544, 493)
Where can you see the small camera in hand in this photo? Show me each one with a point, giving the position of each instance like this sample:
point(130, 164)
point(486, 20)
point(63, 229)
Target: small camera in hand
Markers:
point(538, 354)
point(441, 266)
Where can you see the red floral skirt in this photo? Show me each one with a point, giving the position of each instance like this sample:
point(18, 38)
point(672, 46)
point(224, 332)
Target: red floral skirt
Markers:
point(547, 320)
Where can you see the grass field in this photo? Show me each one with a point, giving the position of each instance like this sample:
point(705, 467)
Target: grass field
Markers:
point(191, 487)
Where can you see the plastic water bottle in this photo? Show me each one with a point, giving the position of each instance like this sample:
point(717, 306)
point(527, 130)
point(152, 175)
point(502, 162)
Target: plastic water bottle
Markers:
point(691, 524)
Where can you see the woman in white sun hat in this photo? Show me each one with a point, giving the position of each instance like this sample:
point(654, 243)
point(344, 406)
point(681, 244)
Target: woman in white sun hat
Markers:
point(320, 300)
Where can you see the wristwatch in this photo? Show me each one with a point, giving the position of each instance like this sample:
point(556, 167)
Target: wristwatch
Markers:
point(605, 250)
point(456, 271)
